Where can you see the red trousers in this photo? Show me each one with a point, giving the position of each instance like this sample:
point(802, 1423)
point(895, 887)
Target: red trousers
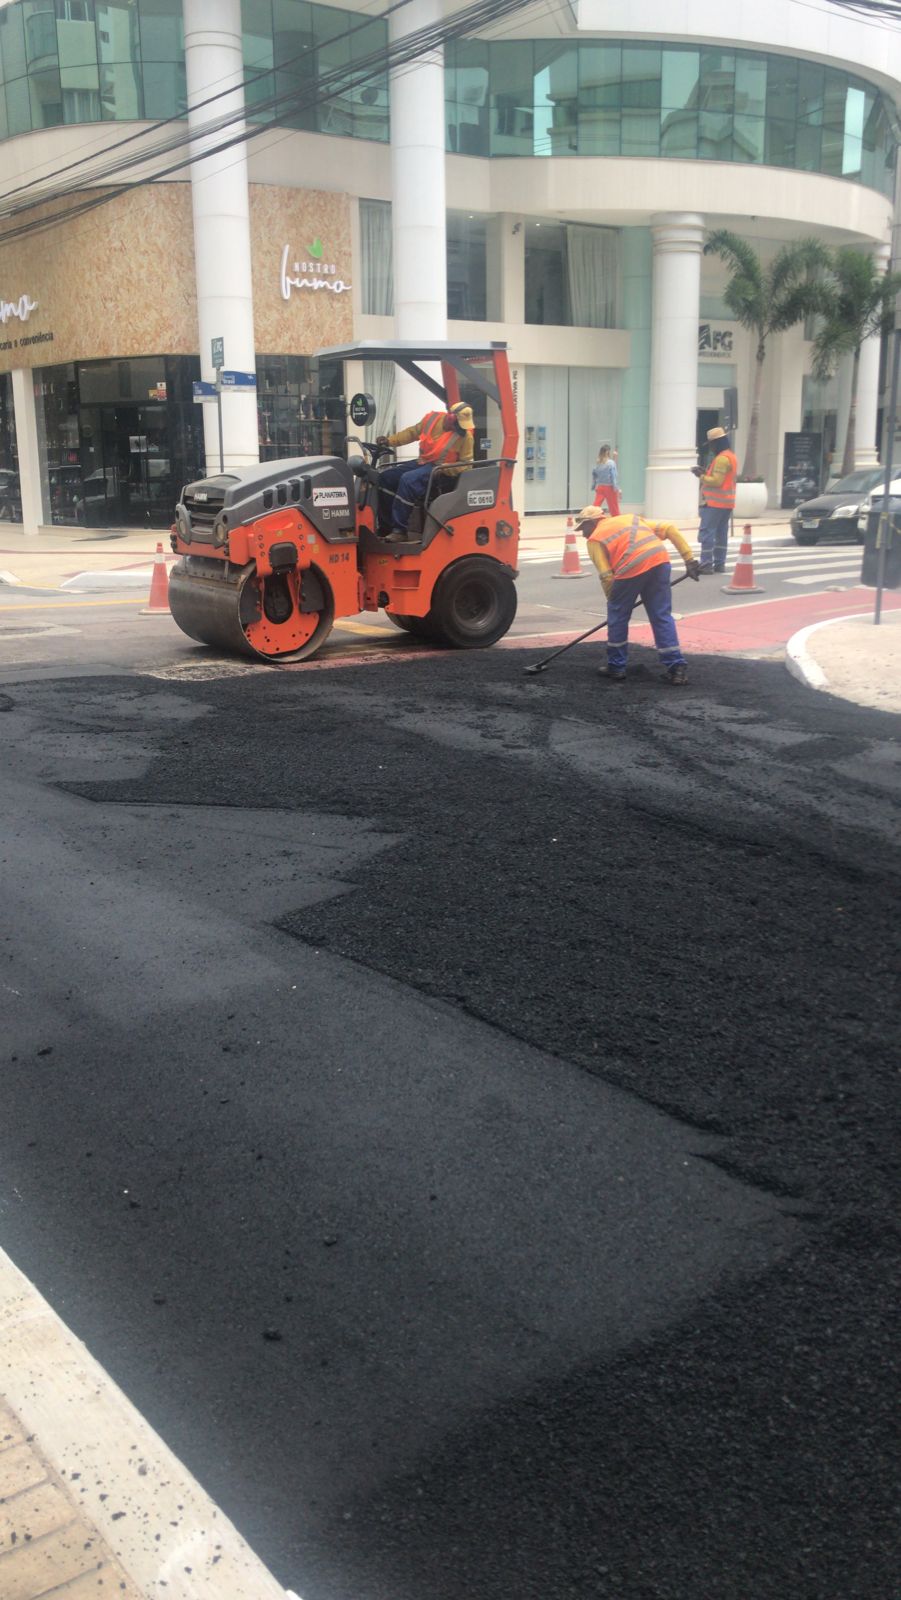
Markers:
point(607, 495)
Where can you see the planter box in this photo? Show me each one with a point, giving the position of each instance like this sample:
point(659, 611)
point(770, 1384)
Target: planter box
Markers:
point(750, 500)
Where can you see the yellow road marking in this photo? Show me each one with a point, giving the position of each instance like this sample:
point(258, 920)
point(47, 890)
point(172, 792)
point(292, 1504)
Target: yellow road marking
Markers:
point(70, 605)
point(365, 628)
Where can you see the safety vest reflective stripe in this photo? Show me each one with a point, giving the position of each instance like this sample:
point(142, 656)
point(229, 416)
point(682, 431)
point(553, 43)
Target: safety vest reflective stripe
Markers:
point(722, 497)
point(633, 550)
point(434, 444)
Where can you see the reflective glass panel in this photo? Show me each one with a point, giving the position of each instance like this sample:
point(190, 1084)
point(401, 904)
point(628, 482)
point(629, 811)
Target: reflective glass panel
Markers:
point(680, 76)
point(555, 85)
point(18, 106)
point(165, 90)
point(120, 90)
point(600, 74)
point(641, 133)
point(161, 30)
point(81, 94)
point(748, 138)
point(46, 99)
point(717, 81)
point(750, 85)
point(467, 262)
point(77, 40)
point(12, 43)
point(40, 33)
point(641, 78)
point(512, 113)
point(781, 88)
point(118, 32)
point(679, 134)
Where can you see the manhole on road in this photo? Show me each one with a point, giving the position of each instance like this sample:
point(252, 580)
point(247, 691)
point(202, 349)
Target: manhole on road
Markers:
point(202, 671)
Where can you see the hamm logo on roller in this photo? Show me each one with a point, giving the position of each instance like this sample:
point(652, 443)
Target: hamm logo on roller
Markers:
point(330, 497)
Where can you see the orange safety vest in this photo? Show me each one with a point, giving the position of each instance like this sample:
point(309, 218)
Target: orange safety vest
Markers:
point(631, 544)
point(435, 445)
point(724, 496)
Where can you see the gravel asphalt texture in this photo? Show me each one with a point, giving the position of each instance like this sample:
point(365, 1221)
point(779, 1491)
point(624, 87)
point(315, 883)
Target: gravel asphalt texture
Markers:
point(692, 895)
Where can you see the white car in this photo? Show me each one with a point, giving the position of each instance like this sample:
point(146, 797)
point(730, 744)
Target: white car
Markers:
point(873, 501)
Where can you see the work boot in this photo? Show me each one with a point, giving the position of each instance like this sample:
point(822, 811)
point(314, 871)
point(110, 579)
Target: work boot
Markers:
point(704, 571)
point(396, 536)
point(678, 674)
point(612, 674)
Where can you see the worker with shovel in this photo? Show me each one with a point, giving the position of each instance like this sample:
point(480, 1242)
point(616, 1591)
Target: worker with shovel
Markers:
point(634, 566)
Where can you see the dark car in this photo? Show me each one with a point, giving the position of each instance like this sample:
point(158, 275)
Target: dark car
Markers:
point(10, 496)
point(834, 514)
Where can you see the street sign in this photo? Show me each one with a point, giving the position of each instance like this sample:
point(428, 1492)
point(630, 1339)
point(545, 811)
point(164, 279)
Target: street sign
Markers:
point(238, 380)
point(217, 346)
point(204, 391)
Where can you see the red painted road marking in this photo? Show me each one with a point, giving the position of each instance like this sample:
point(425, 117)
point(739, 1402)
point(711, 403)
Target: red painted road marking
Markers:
point(745, 625)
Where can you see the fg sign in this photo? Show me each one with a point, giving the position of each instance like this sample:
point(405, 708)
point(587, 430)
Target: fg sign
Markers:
point(362, 410)
point(715, 341)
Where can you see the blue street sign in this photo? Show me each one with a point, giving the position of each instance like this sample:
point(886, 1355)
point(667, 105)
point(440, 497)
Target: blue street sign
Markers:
point(204, 391)
point(238, 380)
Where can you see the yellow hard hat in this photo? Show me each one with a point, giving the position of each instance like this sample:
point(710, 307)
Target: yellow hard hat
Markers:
point(464, 416)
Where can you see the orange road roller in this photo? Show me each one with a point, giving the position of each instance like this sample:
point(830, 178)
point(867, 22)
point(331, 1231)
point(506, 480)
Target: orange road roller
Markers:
point(273, 555)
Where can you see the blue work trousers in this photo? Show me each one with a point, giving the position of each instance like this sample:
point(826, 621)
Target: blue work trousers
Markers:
point(713, 536)
point(653, 589)
point(401, 487)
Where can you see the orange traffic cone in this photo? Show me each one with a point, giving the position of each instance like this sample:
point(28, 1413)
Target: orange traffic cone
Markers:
point(158, 604)
point(743, 574)
point(571, 566)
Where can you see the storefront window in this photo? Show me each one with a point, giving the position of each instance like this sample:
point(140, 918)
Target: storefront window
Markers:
point(570, 412)
point(301, 407)
point(118, 439)
point(376, 258)
point(10, 493)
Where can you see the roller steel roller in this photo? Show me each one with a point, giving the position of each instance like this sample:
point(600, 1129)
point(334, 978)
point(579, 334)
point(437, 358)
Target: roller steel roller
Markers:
point(271, 555)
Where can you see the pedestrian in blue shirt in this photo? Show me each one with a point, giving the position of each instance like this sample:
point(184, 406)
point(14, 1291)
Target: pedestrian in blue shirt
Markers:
point(605, 480)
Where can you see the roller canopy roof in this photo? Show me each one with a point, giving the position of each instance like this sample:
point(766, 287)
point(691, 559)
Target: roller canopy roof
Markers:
point(407, 354)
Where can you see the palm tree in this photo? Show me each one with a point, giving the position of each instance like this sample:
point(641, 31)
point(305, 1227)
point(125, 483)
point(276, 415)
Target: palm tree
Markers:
point(856, 303)
point(766, 300)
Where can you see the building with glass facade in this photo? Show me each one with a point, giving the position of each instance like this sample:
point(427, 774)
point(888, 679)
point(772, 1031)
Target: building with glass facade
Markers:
point(552, 186)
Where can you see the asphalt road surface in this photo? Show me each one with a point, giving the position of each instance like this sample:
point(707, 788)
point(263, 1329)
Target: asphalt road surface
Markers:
point(457, 1107)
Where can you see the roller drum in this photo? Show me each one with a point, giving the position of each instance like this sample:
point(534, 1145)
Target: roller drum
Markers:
point(219, 604)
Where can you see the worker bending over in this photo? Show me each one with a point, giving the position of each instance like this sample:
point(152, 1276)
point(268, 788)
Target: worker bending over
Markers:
point(634, 565)
point(445, 442)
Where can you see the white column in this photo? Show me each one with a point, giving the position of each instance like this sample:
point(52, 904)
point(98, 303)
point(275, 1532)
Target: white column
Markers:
point(865, 454)
point(29, 455)
point(670, 489)
point(418, 199)
point(219, 196)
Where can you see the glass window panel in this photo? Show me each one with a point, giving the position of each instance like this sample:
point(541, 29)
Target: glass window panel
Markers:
point(810, 93)
point(781, 88)
point(4, 122)
point(832, 152)
point(852, 157)
point(12, 43)
point(118, 32)
point(259, 54)
point(717, 83)
point(679, 133)
point(750, 85)
point(680, 77)
point(161, 30)
point(46, 99)
point(714, 136)
point(18, 106)
point(328, 22)
point(807, 147)
point(165, 92)
point(835, 92)
point(295, 61)
point(512, 113)
point(40, 33)
point(81, 94)
point(780, 143)
point(748, 139)
point(547, 300)
point(76, 39)
point(855, 113)
point(600, 132)
point(600, 72)
point(641, 133)
point(120, 90)
point(469, 89)
point(641, 78)
point(555, 85)
point(467, 267)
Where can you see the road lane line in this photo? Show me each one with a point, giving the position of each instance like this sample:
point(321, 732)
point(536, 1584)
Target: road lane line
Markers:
point(71, 605)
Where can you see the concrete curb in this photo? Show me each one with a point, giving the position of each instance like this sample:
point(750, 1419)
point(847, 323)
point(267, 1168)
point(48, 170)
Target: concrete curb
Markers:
point(799, 660)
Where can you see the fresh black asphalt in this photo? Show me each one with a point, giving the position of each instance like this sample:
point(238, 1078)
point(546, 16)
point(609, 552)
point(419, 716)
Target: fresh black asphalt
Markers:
point(546, 937)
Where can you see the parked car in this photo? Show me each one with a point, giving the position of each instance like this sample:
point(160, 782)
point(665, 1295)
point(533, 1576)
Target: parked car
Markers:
point(873, 502)
point(834, 514)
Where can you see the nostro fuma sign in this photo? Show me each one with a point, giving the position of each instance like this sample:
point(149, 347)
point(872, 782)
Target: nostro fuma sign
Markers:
point(314, 274)
point(21, 308)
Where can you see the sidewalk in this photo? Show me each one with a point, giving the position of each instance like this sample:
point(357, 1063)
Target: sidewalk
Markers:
point(93, 1505)
point(852, 658)
point(56, 558)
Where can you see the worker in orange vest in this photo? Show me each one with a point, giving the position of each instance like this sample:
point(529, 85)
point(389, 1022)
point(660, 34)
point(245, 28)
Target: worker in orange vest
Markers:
point(718, 501)
point(445, 441)
point(633, 563)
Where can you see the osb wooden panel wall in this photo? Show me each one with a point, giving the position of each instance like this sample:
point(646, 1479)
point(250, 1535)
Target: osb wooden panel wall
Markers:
point(314, 228)
point(119, 281)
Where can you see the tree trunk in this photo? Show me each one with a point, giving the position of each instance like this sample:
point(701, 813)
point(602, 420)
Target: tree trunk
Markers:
point(851, 432)
point(750, 466)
